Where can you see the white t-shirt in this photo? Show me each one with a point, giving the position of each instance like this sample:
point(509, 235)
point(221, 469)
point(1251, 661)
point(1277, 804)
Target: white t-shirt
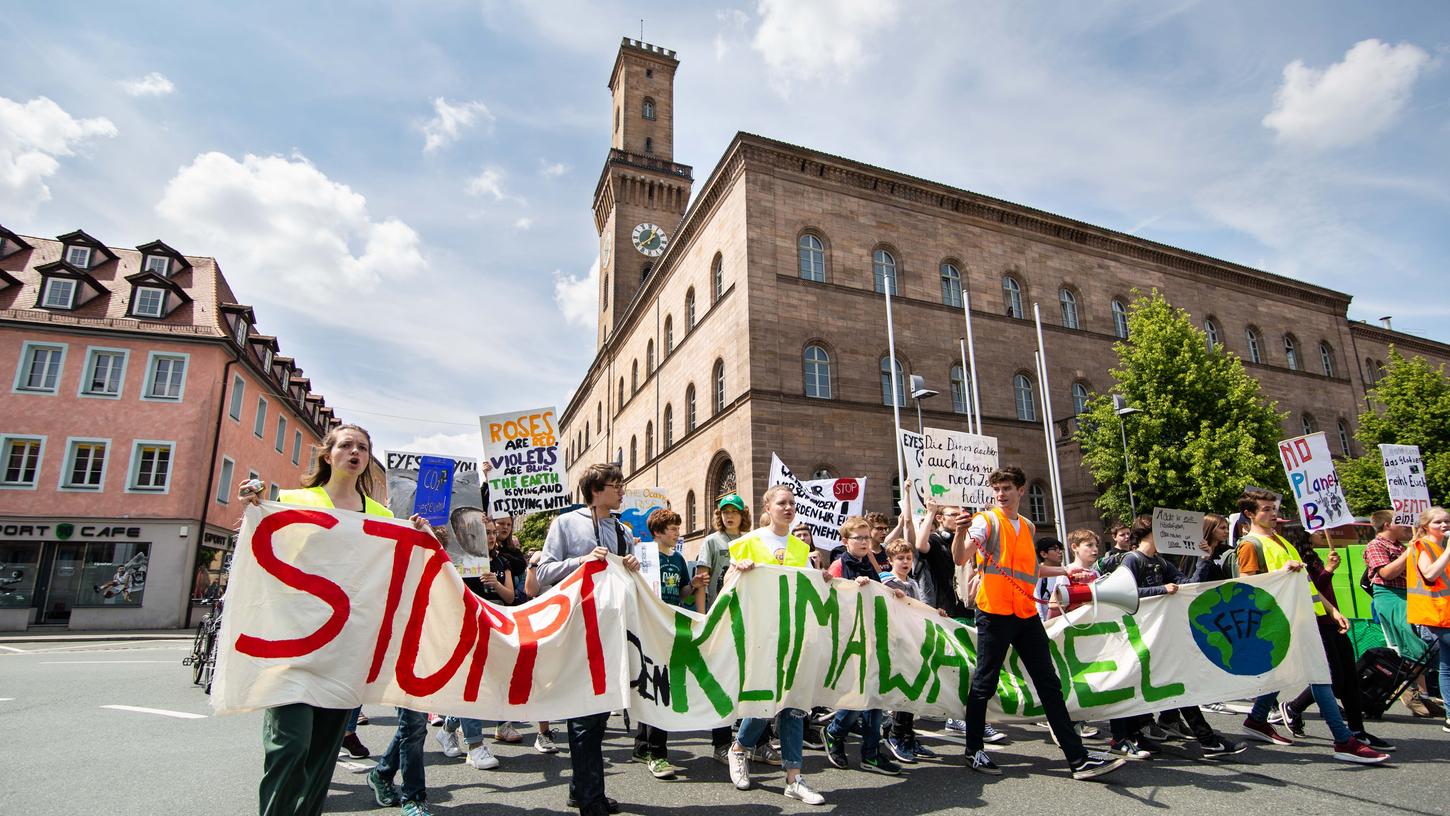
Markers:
point(978, 531)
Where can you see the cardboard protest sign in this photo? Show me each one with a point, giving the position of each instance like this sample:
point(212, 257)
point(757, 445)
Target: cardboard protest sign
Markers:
point(913, 452)
point(528, 471)
point(1405, 478)
point(336, 609)
point(468, 542)
point(1315, 483)
point(639, 502)
point(823, 504)
point(956, 465)
point(1177, 532)
point(402, 475)
point(435, 486)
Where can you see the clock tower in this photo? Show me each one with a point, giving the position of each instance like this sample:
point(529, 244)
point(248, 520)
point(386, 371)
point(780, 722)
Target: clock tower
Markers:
point(642, 192)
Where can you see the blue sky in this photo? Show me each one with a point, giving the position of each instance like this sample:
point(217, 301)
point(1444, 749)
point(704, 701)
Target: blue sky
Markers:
point(403, 191)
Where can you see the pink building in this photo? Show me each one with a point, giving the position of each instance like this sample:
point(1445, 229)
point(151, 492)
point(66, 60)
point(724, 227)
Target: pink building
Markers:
point(135, 393)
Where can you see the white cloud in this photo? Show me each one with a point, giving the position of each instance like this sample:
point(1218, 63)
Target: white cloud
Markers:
point(32, 136)
point(523, 223)
point(449, 121)
point(553, 169)
point(461, 445)
point(577, 296)
point(153, 84)
point(488, 182)
point(288, 227)
point(732, 22)
point(819, 39)
point(1350, 101)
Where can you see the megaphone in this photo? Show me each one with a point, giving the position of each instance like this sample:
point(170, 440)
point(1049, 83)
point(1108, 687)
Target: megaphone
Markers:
point(1118, 589)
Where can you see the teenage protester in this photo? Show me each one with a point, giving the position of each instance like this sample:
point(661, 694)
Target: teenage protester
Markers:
point(1049, 553)
point(730, 515)
point(1083, 544)
point(1000, 542)
point(880, 529)
point(1122, 545)
point(1213, 565)
point(300, 741)
point(1264, 550)
point(773, 544)
point(477, 538)
point(1429, 586)
point(678, 587)
point(590, 533)
point(1385, 560)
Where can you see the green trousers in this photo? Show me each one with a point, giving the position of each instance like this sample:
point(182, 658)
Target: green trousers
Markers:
point(299, 744)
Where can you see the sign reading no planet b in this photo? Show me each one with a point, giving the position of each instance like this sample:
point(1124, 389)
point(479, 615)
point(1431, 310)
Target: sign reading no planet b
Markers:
point(1315, 484)
point(1177, 532)
point(1405, 478)
point(956, 466)
point(528, 473)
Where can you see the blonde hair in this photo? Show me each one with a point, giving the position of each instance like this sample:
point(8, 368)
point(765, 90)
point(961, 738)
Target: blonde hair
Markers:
point(851, 524)
point(1422, 525)
point(1082, 536)
point(771, 491)
point(319, 472)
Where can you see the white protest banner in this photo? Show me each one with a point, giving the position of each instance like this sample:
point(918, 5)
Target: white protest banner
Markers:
point(1177, 532)
point(956, 466)
point(1405, 478)
point(1315, 483)
point(335, 609)
point(528, 472)
point(822, 504)
point(913, 451)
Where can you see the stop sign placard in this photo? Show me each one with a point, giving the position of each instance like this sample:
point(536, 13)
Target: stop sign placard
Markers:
point(846, 489)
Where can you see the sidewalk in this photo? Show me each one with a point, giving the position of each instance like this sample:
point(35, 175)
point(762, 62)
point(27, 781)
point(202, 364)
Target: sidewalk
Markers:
point(81, 636)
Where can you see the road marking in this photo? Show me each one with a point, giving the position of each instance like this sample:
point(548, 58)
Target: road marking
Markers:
point(12, 649)
point(89, 662)
point(6, 699)
point(181, 715)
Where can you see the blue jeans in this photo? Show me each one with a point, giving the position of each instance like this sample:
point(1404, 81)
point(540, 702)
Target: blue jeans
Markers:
point(472, 729)
point(405, 753)
point(1323, 697)
point(352, 721)
point(840, 726)
point(1442, 638)
point(792, 729)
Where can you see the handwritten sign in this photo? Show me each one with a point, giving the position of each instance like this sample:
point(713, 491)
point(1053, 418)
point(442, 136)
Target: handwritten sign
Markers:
point(1315, 483)
point(956, 466)
point(639, 502)
point(435, 489)
point(913, 451)
point(1177, 532)
point(1405, 478)
point(823, 504)
point(528, 472)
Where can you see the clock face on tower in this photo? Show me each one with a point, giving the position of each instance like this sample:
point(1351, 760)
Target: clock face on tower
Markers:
point(650, 240)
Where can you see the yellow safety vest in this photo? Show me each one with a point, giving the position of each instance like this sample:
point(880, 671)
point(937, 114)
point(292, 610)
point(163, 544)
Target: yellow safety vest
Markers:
point(1277, 553)
point(317, 497)
point(751, 547)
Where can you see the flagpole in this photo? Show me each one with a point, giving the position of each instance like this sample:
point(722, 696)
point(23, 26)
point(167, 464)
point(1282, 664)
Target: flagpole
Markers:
point(887, 283)
point(1055, 477)
point(966, 389)
point(972, 355)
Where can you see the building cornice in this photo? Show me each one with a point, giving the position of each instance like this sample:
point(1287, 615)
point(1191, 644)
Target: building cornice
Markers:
point(1398, 339)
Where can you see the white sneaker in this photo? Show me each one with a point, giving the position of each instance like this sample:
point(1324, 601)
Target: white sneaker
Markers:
point(481, 759)
point(800, 790)
point(739, 768)
point(544, 743)
point(506, 733)
point(449, 741)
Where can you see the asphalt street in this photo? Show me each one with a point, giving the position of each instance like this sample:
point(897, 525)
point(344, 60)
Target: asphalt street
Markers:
point(117, 728)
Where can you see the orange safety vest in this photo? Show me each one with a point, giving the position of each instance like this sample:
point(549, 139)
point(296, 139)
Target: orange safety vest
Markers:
point(1007, 560)
point(1428, 602)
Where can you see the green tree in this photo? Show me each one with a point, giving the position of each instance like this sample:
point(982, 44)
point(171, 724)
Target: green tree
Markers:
point(1203, 432)
point(1413, 402)
point(532, 532)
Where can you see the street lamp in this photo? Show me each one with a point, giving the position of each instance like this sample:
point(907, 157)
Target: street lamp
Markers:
point(1122, 409)
point(919, 392)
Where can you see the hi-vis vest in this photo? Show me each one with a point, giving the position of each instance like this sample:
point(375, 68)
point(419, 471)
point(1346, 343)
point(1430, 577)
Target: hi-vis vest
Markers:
point(1278, 552)
point(1007, 560)
point(751, 547)
point(317, 497)
point(1428, 601)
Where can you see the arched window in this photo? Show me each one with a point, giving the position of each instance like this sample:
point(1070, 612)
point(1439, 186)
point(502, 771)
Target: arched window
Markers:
point(690, 409)
point(648, 108)
point(1210, 333)
point(690, 517)
point(619, 457)
point(958, 380)
point(669, 426)
point(1037, 503)
point(633, 454)
point(886, 366)
point(1369, 370)
point(633, 377)
point(649, 358)
point(1308, 423)
point(598, 417)
point(649, 441)
point(1326, 358)
point(717, 278)
point(604, 292)
point(649, 145)
point(1344, 438)
point(823, 472)
point(586, 434)
point(1012, 296)
point(1069, 307)
point(718, 380)
point(1022, 392)
point(1120, 319)
point(951, 285)
point(1256, 345)
point(818, 372)
point(621, 395)
point(669, 334)
point(883, 269)
point(1079, 398)
point(1291, 352)
point(690, 309)
point(722, 478)
point(812, 258)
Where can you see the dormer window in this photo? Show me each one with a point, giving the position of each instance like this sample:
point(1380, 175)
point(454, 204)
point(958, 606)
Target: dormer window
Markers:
point(241, 333)
point(149, 301)
point(160, 264)
point(60, 293)
point(266, 359)
point(286, 379)
point(78, 256)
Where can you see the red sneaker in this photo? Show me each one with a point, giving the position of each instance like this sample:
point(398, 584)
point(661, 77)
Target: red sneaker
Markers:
point(1260, 730)
point(1356, 751)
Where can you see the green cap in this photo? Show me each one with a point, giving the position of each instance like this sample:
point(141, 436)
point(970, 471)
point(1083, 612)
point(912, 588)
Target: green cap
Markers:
point(732, 500)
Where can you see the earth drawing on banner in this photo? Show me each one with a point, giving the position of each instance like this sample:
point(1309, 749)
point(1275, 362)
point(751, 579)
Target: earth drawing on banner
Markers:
point(1240, 628)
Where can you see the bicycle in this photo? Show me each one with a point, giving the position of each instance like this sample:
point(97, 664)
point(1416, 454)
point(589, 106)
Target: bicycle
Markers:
point(202, 659)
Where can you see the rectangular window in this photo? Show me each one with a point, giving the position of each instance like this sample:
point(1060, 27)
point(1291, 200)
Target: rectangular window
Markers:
point(281, 443)
point(149, 302)
point(151, 466)
point(273, 492)
point(85, 465)
point(224, 484)
point(105, 372)
point(260, 426)
point(60, 293)
point(21, 456)
point(239, 389)
point(78, 256)
point(160, 264)
point(22, 562)
point(296, 447)
point(113, 573)
point(241, 331)
point(39, 370)
point(167, 377)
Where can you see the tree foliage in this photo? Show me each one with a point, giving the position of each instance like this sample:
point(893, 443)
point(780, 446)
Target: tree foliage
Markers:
point(1413, 408)
point(532, 532)
point(1203, 433)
